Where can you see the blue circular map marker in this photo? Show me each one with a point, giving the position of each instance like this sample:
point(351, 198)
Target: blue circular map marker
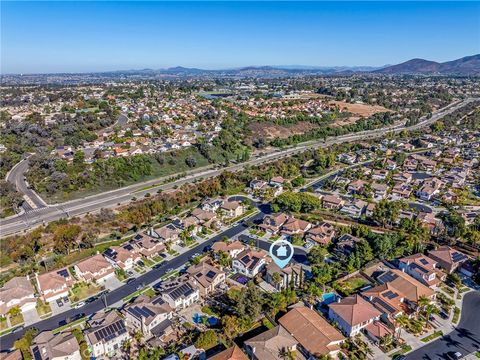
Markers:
point(281, 251)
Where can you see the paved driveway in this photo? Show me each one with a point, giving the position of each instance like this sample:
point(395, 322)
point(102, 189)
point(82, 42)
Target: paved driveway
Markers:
point(465, 338)
point(112, 283)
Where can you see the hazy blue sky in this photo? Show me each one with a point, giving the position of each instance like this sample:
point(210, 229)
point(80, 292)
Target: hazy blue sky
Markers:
point(95, 36)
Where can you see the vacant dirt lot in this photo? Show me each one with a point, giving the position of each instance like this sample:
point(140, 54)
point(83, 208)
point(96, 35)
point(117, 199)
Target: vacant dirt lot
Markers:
point(272, 131)
point(359, 109)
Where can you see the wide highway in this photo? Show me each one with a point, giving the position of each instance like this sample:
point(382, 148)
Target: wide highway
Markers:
point(114, 198)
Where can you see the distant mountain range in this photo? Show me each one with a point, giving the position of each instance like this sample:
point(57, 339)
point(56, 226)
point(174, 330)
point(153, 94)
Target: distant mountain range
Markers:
point(468, 65)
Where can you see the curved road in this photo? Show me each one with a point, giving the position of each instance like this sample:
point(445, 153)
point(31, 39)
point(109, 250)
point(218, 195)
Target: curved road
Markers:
point(464, 339)
point(124, 195)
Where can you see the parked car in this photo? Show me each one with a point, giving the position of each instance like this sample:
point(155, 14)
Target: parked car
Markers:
point(59, 302)
point(156, 266)
point(18, 329)
point(129, 281)
point(443, 315)
point(79, 304)
point(400, 357)
point(454, 355)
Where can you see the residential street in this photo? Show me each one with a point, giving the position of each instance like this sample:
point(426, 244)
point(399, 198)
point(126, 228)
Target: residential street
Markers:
point(464, 339)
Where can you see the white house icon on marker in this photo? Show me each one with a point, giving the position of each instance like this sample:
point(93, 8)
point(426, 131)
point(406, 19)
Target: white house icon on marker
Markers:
point(282, 251)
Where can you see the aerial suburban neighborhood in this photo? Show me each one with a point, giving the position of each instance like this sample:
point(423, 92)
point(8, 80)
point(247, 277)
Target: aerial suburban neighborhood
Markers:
point(277, 212)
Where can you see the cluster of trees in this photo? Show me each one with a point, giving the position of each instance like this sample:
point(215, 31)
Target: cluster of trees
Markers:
point(10, 198)
point(295, 202)
point(375, 121)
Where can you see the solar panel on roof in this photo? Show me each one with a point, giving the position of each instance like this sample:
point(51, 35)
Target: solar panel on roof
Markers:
point(211, 274)
point(390, 295)
point(424, 261)
point(388, 277)
point(63, 273)
point(456, 257)
point(384, 305)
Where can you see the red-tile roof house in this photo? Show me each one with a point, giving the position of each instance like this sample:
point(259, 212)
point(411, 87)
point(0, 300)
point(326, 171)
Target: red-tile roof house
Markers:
point(322, 234)
point(54, 284)
point(232, 353)
point(232, 249)
point(95, 267)
point(332, 202)
point(232, 208)
point(315, 336)
point(448, 259)
point(295, 227)
point(18, 291)
point(422, 268)
point(377, 330)
point(273, 223)
point(352, 314)
point(405, 285)
point(148, 246)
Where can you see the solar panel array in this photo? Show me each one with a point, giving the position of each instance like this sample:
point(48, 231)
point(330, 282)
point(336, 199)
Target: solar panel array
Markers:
point(183, 290)
point(390, 295)
point(388, 277)
point(384, 305)
point(111, 331)
point(456, 257)
point(211, 274)
point(424, 261)
point(141, 311)
point(63, 273)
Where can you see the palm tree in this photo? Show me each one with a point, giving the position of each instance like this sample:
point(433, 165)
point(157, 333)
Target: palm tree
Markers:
point(127, 346)
point(287, 354)
point(429, 310)
point(422, 302)
point(402, 321)
point(386, 341)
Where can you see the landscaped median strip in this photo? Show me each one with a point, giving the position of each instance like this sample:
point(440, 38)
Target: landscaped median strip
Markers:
point(430, 337)
point(456, 315)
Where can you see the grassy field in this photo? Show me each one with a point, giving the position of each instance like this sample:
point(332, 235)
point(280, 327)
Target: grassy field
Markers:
point(43, 309)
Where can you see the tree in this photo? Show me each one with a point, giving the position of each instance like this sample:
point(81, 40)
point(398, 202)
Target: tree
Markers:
point(206, 340)
point(402, 321)
point(14, 311)
point(276, 279)
point(455, 279)
point(429, 310)
point(317, 255)
point(23, 344)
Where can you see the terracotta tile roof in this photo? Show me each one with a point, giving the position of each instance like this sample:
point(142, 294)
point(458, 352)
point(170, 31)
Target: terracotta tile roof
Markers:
point(355, 310)
point(405, 285)
point(311, 330)
point(95, 264)
point(378, 329)
point(48, 346)
point(232, 353)
point(269, 344)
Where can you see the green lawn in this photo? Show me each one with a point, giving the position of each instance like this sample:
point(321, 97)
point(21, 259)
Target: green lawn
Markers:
point(157, 259)
point(150, 293)
point(3, 323)
point(82, 291)
point(43, 309)
point(404, 349)
point(351, 285)
point(148, 262)
point(16, 320)
point(430, 337)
